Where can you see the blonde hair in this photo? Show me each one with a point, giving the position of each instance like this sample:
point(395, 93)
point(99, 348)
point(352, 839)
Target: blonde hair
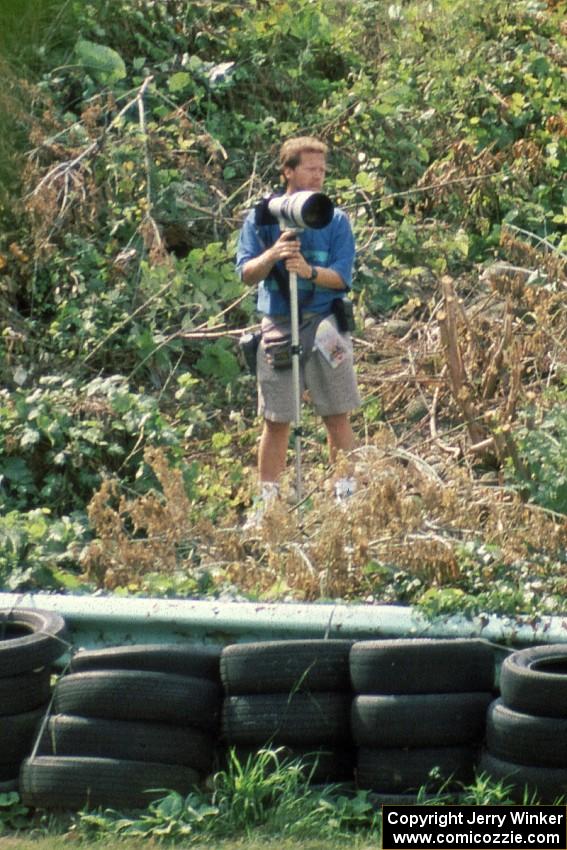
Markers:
point(291, 150)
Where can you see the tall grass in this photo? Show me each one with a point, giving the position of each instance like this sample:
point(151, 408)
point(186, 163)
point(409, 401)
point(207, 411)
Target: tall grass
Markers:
point(251, 804)
point(264, 794)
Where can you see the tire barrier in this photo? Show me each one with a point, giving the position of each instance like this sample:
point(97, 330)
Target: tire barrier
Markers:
point(126, 719)
point(526, 728)
point(382, 714)
point(419, 705)
point(291, 694)
point(30, 641)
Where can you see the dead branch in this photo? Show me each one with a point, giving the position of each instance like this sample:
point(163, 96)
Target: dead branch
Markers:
point(63, 168)
point(492, 374)
point(460, 387)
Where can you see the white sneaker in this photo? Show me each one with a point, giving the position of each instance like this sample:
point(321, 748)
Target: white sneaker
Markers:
point(344, 489)
point(270, 491)
point(254, 519)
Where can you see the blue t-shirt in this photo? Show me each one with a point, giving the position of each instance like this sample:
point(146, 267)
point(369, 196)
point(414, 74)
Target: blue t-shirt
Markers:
point(330, 247)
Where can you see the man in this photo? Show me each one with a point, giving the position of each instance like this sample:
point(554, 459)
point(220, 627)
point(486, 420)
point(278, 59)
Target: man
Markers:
point(323, 261)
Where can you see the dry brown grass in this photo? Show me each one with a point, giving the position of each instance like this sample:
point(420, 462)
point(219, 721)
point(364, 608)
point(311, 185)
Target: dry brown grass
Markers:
point(136, 535)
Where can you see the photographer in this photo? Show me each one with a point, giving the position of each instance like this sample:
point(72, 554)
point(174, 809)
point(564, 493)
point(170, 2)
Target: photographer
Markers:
point(323, 261)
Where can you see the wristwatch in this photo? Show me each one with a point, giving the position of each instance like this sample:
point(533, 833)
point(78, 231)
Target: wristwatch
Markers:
point(314, 273)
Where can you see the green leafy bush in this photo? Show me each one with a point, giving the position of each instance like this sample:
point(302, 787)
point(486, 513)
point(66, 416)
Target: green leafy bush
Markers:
point(139, 133)
point(39, 551)
point(58, 440)
point(13, 814)
point(540, 468)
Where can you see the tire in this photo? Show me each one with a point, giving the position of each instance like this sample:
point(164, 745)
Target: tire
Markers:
point(400, 771)
point(286, 666)
point(298, 720)
point(130, 740)
point(30, 639)
point(9, 773)
point(548, 783)
point(17, 735)
point(183, 659)
point(526, 738)
point(534, 681)
point(419, 720)
point(70, 784)
point(22, 693)
point(324, 765)
point(133, 695)
point(421, 666)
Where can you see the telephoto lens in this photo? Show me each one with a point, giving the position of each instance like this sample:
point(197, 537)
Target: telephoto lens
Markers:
point(302, 209)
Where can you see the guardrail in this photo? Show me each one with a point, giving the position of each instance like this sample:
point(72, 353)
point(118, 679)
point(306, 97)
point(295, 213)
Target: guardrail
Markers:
point(96, 621)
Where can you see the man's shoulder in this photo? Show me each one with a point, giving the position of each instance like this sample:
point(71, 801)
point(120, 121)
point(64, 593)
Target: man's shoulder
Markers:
point(247, 217)
point(340, 216)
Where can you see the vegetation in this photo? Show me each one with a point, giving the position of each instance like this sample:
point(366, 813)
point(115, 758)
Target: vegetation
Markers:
point(138, 134)
point(265, 797)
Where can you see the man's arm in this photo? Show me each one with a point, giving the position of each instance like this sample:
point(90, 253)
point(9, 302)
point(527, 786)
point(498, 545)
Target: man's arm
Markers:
point(258, 268)
point(325, 277)
point(338, 272)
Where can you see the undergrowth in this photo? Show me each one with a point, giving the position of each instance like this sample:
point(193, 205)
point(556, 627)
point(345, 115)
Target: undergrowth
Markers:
point(139, 135)
point(266, 795)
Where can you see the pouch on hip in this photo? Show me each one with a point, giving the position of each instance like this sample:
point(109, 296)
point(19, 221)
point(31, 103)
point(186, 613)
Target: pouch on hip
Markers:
point(248, 344)
point(343, 311)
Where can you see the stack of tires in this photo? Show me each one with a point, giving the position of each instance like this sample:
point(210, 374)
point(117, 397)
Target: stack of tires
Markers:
point(294, 695)
point(127, 720)
point(526, 734)
point(419, 705)
point(30, 641)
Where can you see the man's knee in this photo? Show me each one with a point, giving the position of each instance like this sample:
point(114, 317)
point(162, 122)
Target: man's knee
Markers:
point(275, 428)
point(340, 432)
point(337, 423)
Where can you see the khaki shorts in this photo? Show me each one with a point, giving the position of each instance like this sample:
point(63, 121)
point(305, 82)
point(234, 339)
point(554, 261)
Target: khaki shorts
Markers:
point(333, 390)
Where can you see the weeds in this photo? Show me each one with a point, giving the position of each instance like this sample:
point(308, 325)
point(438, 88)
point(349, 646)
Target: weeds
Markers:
point(263, 796)
point(13, 814)
point(266, 794)
point(117, 259)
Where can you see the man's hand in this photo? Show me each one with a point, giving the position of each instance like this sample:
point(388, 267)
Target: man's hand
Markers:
point(289, 250)
point(291, 253)
point(286, 247)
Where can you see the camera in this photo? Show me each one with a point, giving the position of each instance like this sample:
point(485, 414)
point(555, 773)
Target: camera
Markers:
point(302, 209)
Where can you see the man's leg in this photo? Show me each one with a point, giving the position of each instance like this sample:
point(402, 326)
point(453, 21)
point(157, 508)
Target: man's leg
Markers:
point(340, 436)
point(272, 451)
point(271, 463)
